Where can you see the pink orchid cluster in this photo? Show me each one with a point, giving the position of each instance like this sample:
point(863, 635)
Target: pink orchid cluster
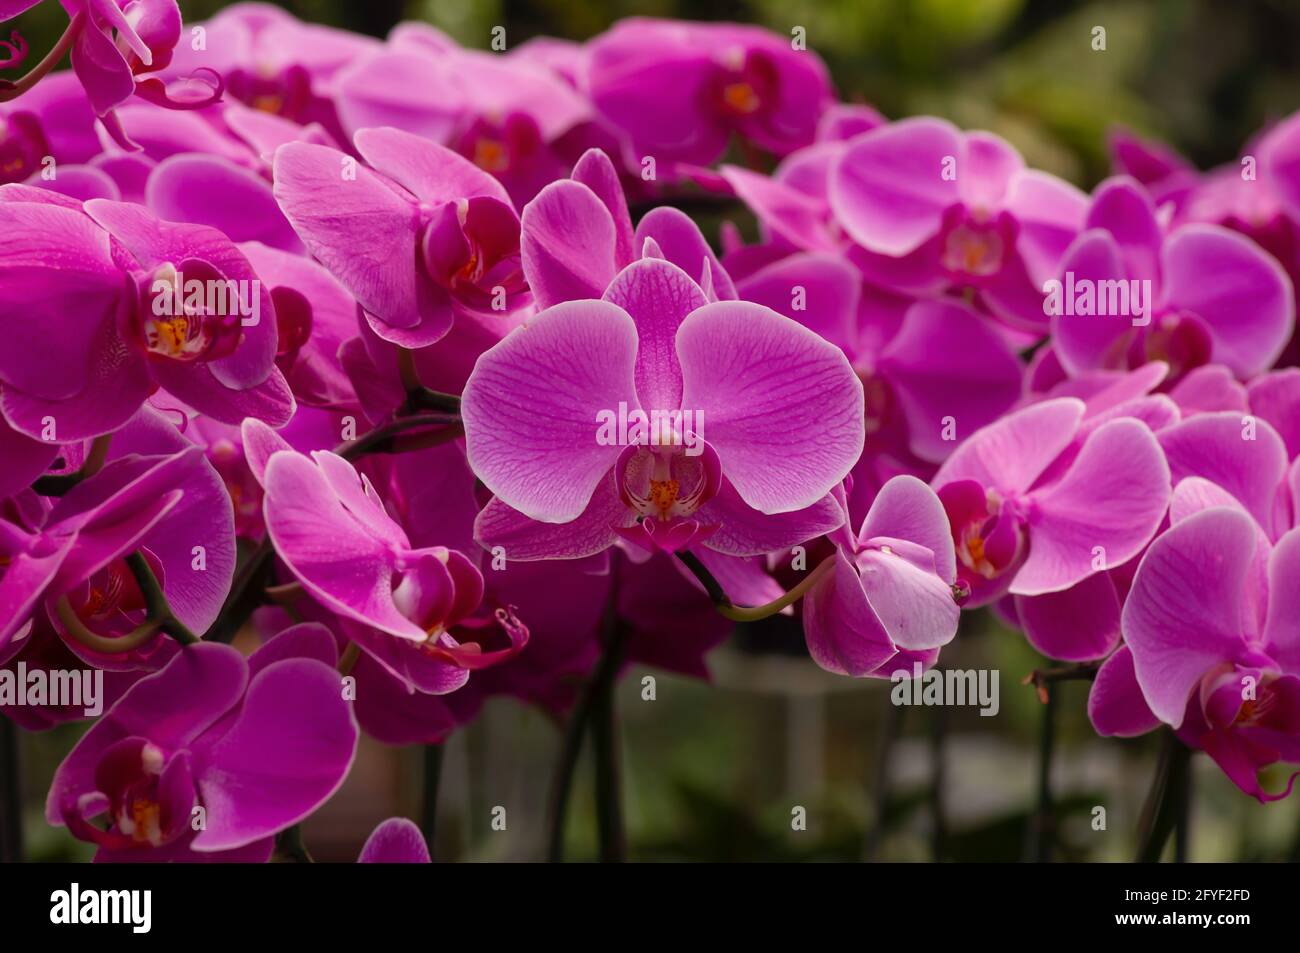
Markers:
point(396, 363)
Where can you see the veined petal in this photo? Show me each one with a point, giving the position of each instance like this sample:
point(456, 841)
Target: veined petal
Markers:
point(781, 405)
point(534, 405)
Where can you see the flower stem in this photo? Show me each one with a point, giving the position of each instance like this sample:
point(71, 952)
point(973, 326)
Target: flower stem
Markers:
point(609, 787)
point(890, 730)
point(432, 780)
point(158, 617)
point(396, 437)
point(735, 613)
point(60, 484)
point(11, 803)
point(1038, 847)
point(245, 594)
point(155, 601)
point(591, 704)
point(1165, 799)
point(289, 846)
point(349, 659)
point(12, 89)
point(419, 397)
point(938, 784)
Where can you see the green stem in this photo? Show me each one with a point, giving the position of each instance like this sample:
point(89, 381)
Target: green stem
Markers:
point(432, 780)
point(591, 705)
point(60, 484)
point(890, 730)
point(419, 397)
point(155, 601)
point(158, 617)
point(938, 784)
point(11, 802)
point(244, 595)
point(1164, 800)
point(1042, 825)
point(604, 737)
point(12, 89)
point(729, 610)
point(289, 846)
point(396, 437)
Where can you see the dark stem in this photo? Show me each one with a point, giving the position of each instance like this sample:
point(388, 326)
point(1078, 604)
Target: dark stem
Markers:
point(604, 737)
point(289, 847)
point(1183, 822)
point(155, 600)
point(938, 781)
point(1042, 825)
point(245, 594)
point(729, 610)
point(890, 730)
point(397, 437)
point(12, 89)
point(432, 778)
point(60, 484)
point(1165, 799)
point(11, 804)
point(591, 705)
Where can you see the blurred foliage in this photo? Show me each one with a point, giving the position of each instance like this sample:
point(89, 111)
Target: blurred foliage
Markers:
point(1200, 74)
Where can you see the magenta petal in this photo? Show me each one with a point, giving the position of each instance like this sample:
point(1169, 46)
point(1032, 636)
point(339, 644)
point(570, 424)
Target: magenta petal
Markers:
point(1276, 397)
point(212, 190)
point(524, 539)
point(658, 296)
point(1098, 512)
point(171, 708)
point(745, 531)
point(912, 602)
point(1116, 707)
point(842, 631)
point(888, 189)
point(1209, 388)
point(1282, 630)
point(335, 544)
point(395, 841)
point(1213, 446)
point(946, 361)
point(260, 443)
point(781, 405)
point(1123, 208)
point(1012, 453)
point(567, 241)
point(905, 508)
point(432, 173)
point(1092, 342)
point(287, 753)
point(1240, 292)
point(358, 228)
point(61, 299)
point(102, 69)
point(1050, 213)
point(24, 459)
point(826, 287)
point(270, 401)
point(785, 212)
point(534, 404)
point(1078, 624)
point(1185, 612)
point(595, 170)
point(681, 242)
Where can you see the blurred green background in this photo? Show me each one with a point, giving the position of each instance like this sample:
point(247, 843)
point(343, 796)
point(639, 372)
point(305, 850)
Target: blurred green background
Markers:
point(714, 772)
point(1201, 74)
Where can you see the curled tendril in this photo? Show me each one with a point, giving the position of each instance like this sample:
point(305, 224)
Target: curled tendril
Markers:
point(155, 90)
point(15, 49)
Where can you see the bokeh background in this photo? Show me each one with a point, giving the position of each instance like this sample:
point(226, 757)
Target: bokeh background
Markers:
point(713, 771)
